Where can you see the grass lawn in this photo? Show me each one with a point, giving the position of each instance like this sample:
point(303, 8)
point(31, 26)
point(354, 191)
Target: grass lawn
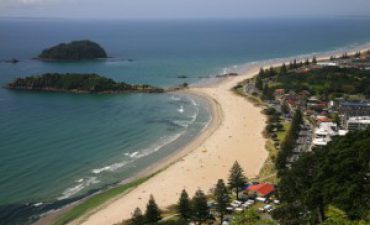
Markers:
point(97, 200)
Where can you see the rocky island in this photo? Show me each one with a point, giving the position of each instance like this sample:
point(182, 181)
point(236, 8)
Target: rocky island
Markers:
point(78, 83)
point(73, 51)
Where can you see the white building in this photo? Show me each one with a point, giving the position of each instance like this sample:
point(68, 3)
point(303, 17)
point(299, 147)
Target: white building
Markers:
point(324, 132)
point(357, 123)
point(325, 64)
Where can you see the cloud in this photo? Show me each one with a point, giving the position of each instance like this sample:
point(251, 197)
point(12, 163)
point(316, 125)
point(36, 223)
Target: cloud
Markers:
point(21, 3)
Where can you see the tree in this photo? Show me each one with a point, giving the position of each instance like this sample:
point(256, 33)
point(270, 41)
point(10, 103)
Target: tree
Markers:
point(285, 108)
point(307, 62)
point(222, 198)
point(184, 207)
point(199, 207)
point(152, 214)
point(283, 69)
point(289, 142)
point(137, 217)
point(259, 82)
point(250, 217)
point(262, 72)
point(335, 176)
point(236, 178)
point(295, 66)
point(314, 60)
point(267, 93)
point(272, 72)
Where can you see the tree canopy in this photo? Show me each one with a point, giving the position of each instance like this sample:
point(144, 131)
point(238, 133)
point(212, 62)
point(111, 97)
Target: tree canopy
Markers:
point(337, 175)
point(153, 213)
point(184, 205)
point(200, 207)
point(73, 82)
point(236, 178)
point(222, 198)
point(75, 50)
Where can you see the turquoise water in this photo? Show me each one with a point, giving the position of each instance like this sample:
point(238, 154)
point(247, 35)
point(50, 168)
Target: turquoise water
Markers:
point(54, 147)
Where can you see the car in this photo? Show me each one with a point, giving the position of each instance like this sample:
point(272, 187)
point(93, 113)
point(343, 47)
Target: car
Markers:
point(277, 202)
point(237, 202)
point(230, 209)
point(260, 199)
point(267, 207)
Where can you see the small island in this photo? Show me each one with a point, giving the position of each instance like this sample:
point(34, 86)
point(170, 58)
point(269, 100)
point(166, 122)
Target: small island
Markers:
point(78, 83)
point(73, 51)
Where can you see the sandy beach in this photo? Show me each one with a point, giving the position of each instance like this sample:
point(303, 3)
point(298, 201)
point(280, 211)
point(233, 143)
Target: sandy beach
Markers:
point(235, 133)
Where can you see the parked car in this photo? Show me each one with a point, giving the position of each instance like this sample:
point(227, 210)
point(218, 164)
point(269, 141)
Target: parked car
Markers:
point(260, 199)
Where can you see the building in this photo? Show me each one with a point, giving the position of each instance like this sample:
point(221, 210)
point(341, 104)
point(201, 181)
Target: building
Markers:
point(357, 123)
point(324, 132)
point(262, 189)
point(355, 110)
point(350, 109)
point(327, 64)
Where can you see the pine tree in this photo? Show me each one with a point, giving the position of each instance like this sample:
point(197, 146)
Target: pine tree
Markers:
point(262, 72)
point(283, 69)
point(272, 72)
point(291, 66)
point(285, 108)
point(137, 217)
point(307, 62)
point(184, 207)
point(295, 66)
point(152, 214)
point(200, 207)
point(259, 83)
point(314, 60)
point(222, 198)
point(236, 178)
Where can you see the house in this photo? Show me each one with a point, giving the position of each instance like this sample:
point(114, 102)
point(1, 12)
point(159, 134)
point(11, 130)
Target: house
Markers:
point(279, 92)
point(262, 189)
point(322, 119)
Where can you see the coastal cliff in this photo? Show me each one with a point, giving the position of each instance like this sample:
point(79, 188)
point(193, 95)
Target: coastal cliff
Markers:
point(78, 83)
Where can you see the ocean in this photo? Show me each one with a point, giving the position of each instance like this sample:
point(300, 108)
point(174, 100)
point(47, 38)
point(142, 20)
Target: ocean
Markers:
point(57, 147)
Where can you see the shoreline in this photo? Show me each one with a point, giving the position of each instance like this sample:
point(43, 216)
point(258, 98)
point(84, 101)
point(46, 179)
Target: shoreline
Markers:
point(190, 149)
point(197, 152)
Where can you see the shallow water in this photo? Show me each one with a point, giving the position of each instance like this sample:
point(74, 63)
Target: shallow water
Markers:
point(57, 146)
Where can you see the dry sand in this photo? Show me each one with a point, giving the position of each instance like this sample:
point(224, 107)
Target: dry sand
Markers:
point(235, 133)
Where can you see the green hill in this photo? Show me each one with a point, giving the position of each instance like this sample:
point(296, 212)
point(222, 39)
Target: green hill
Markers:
point(75, 50)
point(77, 83)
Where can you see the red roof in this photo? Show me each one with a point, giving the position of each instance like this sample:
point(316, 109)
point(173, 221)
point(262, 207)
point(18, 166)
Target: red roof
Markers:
point(263, 189)
point(323, 119)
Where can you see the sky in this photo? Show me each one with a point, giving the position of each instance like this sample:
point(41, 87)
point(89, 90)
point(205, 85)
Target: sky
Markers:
point(141, 9)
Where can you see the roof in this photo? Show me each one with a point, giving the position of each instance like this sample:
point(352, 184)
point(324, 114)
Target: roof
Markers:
point(263, 189)
point(323, 119)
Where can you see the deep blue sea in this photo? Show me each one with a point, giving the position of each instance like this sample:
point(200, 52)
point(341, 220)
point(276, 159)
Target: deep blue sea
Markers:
point(57, 147)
